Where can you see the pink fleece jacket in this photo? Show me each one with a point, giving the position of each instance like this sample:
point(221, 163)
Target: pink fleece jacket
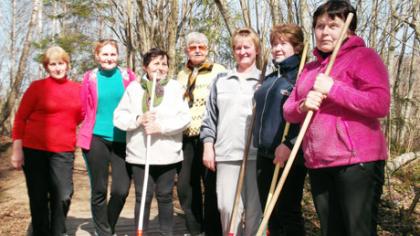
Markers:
point(345, 130)
point(89, 96)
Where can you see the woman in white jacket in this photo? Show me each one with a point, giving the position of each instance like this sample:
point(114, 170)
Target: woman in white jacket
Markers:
point(165, 124)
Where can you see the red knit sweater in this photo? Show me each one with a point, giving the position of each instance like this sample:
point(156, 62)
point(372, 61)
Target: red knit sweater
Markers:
point(48, 115)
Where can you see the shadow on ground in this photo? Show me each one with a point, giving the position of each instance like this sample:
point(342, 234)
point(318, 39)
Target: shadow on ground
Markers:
point(125, 226)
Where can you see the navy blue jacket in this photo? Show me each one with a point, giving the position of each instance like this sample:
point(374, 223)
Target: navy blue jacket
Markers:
point(269, 98)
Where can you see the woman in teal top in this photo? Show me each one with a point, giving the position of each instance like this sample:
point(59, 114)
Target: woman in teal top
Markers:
point(110, 91)
point(102, 143)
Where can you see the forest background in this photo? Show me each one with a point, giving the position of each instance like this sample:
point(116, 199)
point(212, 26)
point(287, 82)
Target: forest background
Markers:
point(391, 27)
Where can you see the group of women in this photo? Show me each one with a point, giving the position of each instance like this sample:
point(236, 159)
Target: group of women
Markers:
point(343, 149)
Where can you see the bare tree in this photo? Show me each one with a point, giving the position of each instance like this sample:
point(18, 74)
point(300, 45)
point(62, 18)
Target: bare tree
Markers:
point(172, 36)
point(12, 96)
point(276, 12)
point(245, 13)
point(224, 11)
point(129, 41)
point(305, 18)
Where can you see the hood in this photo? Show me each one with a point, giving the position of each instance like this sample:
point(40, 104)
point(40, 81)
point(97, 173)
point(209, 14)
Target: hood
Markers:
point(349, 44)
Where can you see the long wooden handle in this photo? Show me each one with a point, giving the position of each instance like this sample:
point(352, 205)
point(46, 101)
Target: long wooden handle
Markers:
point(146, 168)
point(301, 134)
point(285, 133)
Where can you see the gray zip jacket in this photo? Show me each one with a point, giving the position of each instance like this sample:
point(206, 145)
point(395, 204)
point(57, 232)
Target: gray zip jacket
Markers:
point(228, 114)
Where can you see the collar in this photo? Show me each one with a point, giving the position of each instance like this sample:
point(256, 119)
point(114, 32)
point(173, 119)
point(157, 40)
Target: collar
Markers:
point(144, 79)
point(107, 73)
point(206, 65)
point(288, 64)
point(59, 81)
point(254, 74)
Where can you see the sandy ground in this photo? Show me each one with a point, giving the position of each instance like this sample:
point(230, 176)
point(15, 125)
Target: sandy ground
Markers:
point(14, 208)
point(15, 217)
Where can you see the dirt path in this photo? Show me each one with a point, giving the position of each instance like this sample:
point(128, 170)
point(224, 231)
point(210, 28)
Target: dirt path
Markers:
point(14, 208)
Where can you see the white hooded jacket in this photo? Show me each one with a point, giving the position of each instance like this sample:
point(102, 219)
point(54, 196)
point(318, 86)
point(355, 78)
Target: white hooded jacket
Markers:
point(173, 116)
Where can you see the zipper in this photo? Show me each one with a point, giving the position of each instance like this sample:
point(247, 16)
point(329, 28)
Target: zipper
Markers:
point(262, 113)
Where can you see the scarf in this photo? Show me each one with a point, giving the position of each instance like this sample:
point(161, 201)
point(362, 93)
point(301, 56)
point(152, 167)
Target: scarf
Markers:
point(159, 92)
point(192, 78)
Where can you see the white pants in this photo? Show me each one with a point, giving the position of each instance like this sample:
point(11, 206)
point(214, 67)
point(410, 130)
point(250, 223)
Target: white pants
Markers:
point(227, 179)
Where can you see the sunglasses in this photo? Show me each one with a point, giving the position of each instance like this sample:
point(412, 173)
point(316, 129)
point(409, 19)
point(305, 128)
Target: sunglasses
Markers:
point(193, 48)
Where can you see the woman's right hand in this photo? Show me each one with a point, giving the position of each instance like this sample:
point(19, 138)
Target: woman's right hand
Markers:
point(312, 102)
point(208, 156)
point(16, 159)
point(148, 117)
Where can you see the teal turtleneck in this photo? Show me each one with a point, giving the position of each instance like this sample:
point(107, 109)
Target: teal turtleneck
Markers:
point(110, 90)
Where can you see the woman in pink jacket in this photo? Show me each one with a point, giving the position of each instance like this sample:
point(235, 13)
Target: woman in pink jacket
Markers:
point(103, 144)
point(344, 146)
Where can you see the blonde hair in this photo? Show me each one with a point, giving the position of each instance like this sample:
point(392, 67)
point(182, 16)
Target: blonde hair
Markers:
point(246, 32)
point(101, 43)
point(55, 53)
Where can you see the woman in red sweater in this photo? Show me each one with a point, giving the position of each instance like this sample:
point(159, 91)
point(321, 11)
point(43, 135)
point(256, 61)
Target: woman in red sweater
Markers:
point(44, 139)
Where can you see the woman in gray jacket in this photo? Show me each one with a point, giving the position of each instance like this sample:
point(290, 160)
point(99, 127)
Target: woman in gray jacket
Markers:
point(224, 130)
point(165, 125)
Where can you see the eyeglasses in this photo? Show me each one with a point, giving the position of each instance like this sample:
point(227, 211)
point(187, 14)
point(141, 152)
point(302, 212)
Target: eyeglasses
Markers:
point(193, 48)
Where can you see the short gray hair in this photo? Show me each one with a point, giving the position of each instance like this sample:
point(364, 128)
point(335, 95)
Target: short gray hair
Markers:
point(196, 37)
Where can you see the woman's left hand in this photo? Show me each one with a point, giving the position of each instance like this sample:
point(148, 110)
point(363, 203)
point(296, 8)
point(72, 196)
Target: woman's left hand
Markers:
point(323, 83)
point(152, 128)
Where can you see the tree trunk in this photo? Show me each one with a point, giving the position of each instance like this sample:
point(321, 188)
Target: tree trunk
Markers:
point(407, 107)
point(145, 37)
point(224, 11)
point(402, 160)
point(245, 13)
point(373, 26)
point(275, 11)
point(12, 96)
point(40, 32)
point(289, 11)
point(306, 19)
point(172, 27)
point(12, 64)
point(129, 42)
point(390, 61)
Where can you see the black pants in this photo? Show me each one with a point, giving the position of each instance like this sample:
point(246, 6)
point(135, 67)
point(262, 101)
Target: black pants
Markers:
point(346, 198)
point(49, 179)
point(286, 218)
point(190, 173)
point(161, 181)
point(103, 153)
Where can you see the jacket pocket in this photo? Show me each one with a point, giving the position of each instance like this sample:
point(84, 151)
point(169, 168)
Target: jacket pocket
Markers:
point(326, 139)
point(342, 128)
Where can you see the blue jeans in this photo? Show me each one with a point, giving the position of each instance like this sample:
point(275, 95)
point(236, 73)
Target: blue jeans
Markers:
point(49, 179)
